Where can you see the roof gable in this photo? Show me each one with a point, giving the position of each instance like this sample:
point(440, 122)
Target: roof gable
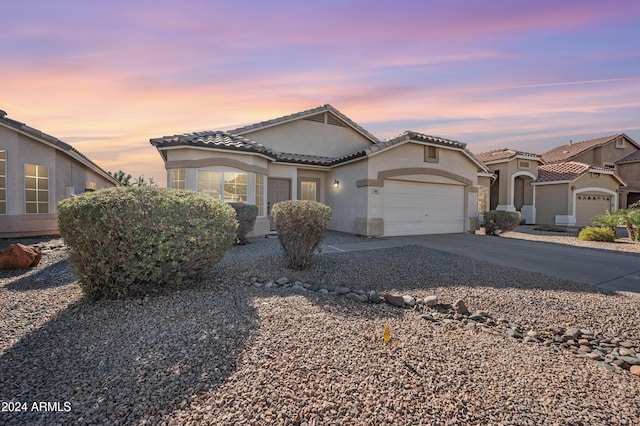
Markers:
point(572, 149)
point(56, 143)
point(411, 136)
point(324, 114)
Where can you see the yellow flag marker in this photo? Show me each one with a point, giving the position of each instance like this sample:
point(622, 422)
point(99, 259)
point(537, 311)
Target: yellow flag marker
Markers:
point(387, 333)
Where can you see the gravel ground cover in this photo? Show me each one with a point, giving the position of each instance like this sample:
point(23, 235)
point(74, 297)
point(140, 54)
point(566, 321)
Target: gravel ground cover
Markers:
point(225, 352)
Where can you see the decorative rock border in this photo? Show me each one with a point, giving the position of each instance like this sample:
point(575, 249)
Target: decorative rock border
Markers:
point(584, 343)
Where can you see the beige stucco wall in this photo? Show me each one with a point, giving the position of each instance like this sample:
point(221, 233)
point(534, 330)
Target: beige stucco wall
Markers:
point(605, 154)
point(630, 173)
point(508, 169)
point(558, 199)
point(551, 200)
point(348, 202)
point(310, 138)
point(67, 177)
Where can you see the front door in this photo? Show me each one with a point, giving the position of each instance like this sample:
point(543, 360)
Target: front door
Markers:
point(277, 190)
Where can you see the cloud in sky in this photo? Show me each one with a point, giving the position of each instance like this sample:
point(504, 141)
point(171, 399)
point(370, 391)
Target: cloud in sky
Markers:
point(107, 77)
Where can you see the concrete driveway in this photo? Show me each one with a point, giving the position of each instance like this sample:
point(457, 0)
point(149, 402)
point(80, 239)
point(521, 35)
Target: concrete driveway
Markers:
point(604, 269)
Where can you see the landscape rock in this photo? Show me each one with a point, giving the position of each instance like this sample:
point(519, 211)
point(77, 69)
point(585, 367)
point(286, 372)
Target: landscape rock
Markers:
point(409, 300)
point(357, 297)
point(460, 307)
point(374, 297)
point(431, 301)
point(394, 300)
point(282, 281)
point(635, 370)
point(342, 290)
point(19, 256)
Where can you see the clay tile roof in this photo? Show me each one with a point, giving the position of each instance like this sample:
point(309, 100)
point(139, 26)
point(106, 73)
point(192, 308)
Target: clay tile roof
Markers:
point(227, 141)
point(214, 139)
point(631, 158)
point(567, 171)
point(503, 154)
point(302, 114)
point(408, 134)
point(570, 150)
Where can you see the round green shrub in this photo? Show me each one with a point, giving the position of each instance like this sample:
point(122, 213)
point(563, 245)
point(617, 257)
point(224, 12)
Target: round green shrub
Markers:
point(301, 225)
point(498, 221)
point(131, 242)
point(594, 233)
point(246, 215)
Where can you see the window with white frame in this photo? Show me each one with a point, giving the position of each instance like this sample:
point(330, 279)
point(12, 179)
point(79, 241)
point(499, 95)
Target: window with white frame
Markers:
point(3, 181)
point(36, 191)
point(309, 189)
point(234, 187)
point(177, 178)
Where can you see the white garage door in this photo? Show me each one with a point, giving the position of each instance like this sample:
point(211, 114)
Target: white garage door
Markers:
point(412, 208)
point(590, 205)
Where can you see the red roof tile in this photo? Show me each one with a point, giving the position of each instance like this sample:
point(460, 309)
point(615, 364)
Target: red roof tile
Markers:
point(503, 154)
point(570, 150)
point(568, 171)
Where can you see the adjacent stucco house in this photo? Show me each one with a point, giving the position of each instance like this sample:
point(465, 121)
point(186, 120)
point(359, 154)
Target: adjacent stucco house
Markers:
point(618, 153)
point(409, 184)
point(36, 172)
point(568, 185)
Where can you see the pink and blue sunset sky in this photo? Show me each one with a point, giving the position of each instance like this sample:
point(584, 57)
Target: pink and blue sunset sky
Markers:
point(108, 76)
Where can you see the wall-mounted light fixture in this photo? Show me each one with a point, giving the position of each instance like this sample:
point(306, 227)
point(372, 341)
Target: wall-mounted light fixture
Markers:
point(336, 183)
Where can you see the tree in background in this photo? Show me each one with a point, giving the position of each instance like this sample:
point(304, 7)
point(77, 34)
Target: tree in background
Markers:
point(125, 179)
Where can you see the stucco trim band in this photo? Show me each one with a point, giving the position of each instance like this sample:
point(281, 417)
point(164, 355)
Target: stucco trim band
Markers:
point(385, 174)
point(215, 162)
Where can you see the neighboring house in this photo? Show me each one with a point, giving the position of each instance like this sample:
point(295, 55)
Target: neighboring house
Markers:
point(37, 171)
point(409, 184)
point(568, 185)
point(619, 153)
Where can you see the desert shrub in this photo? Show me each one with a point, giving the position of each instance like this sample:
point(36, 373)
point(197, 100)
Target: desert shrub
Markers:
point(594, 233)
point(246, 216)
point(130, 242)
point(496, 222)
point(301, 226)
point(630, 219)
point(608, 219)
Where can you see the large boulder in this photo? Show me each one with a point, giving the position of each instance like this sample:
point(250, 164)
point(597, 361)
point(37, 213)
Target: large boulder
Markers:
point(19, 256)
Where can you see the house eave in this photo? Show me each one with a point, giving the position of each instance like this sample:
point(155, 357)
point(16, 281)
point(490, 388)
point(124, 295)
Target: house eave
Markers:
point(62, 147)
point(205, 148)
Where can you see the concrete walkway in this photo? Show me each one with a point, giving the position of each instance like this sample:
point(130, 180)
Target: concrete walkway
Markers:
point(604, 269)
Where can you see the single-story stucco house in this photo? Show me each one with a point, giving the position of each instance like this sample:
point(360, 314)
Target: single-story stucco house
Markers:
point(36, 172)
point(410, 184)
point(568, 185)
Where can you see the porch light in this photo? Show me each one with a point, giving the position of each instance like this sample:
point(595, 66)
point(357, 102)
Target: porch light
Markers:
point(336, 183)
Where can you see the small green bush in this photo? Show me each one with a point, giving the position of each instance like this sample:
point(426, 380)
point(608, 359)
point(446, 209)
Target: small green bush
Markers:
point(496, 222)
point(301, 226)
point(130, 242)
point(246, 215)
point(594, 233)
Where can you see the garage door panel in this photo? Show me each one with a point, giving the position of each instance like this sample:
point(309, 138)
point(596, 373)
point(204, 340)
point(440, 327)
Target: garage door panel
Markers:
point(590, 205)
point(423, 208)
